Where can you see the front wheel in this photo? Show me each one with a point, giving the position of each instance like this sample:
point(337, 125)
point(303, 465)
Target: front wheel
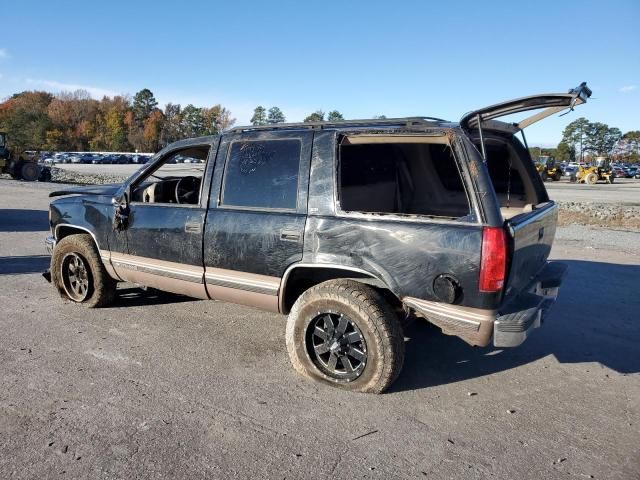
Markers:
point(29, 171)
point(591, 178)
point(78, 273)
point(345, 334)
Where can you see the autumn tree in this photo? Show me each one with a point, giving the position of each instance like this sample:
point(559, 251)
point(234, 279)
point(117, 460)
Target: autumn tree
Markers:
point(216, 120)
point(259, 116)
point(25, 118)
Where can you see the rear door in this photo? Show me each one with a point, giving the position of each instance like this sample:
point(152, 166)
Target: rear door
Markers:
point(257, 212)
point(549, 103)
point(531, 233)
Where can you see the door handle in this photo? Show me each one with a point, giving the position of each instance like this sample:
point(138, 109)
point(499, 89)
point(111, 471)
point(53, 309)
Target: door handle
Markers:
point(193, 227)
point(290, 235)
point(540, 233)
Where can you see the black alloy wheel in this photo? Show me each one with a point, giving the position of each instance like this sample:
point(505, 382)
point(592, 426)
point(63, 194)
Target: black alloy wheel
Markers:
point(336, 346)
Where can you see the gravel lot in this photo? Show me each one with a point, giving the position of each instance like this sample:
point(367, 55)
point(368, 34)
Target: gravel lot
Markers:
point(164, 386)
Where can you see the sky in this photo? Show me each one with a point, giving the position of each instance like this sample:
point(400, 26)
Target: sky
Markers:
point(363, 58)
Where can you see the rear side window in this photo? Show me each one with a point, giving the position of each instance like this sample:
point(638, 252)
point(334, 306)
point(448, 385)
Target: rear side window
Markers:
point(417, 177)
point(262, 174)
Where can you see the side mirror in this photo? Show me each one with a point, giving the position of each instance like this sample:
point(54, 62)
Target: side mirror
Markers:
point(121, 211)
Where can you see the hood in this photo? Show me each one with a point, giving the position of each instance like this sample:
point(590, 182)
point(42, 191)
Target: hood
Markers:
point(106, 190)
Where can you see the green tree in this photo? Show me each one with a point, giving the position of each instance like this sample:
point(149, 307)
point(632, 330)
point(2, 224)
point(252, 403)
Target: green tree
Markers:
point(172, 126)
point(601, 138)
point(575, 135)
point(334, 116)
point(275, 116)
point(193, 123)
point(566, 152)
point(380, 117)
point(317, 116)
point(143, 104)
point(259, 116)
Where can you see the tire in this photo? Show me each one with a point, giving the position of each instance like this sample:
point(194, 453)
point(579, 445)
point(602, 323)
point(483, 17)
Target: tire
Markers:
point(373, 337)
point(557, 176)
point(545, 176)
point(29, 171)
point(100, 288)
point(45, 175)
point(610, 178)
point(591, 179)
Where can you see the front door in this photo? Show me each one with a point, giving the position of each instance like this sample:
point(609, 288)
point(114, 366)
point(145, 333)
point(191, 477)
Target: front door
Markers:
point(161, 245)
point(257, 213)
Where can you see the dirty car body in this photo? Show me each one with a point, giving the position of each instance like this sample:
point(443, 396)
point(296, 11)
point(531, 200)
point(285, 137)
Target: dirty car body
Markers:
point(449, 221)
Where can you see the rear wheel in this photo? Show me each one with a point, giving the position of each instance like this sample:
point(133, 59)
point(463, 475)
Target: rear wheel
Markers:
point(78, 273)
point(591, 178)
point(344, 333)
point(29, 171)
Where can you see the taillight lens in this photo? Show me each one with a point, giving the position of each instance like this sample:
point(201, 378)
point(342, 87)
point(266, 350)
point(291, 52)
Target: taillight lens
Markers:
point(493, 263)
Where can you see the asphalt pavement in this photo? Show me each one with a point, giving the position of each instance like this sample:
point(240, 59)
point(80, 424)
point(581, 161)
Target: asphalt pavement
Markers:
point(164, 386)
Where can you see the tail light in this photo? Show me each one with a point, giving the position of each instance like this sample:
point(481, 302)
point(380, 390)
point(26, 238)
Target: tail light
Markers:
point(493, 262)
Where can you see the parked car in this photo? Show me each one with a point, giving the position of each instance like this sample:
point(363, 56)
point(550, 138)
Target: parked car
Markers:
point(340, 225)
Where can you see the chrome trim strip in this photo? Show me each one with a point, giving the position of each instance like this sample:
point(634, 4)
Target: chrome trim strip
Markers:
point(471, 316)
point(250, 282)
point(157, 267)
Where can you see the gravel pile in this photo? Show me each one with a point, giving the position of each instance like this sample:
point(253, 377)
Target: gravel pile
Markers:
point(600, 214)
point(59, 175)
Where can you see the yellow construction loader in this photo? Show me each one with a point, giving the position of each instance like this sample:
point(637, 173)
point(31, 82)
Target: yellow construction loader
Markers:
point(23, 166)
point(599, 171)
point(548, 168)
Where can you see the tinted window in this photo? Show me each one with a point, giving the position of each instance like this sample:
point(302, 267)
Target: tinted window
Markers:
point(262, 174)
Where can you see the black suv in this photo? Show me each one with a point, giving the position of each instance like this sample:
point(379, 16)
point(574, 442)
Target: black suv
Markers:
point(343, 226)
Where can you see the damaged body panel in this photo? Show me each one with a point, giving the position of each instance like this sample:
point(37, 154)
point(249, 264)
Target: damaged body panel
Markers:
point(448, 221)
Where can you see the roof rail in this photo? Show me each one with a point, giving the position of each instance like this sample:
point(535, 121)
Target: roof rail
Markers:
point(391, 122)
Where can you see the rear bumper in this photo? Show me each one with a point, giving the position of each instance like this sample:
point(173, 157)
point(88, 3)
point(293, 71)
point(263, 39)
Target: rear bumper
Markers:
point(509, 325)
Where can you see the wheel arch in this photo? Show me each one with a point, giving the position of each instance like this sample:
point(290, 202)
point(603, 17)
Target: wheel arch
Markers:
point(64, 230)
point(299, 277)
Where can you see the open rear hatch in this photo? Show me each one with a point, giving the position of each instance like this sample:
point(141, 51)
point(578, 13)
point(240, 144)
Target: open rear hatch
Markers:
point(530, 233)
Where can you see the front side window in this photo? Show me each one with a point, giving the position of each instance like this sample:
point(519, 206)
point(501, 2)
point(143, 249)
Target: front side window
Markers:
point(262, 174)
point(176, 179)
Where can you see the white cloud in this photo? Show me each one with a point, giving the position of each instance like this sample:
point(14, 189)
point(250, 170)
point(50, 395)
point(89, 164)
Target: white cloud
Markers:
point(4, 53)
point(96, 92)
point(628, 88)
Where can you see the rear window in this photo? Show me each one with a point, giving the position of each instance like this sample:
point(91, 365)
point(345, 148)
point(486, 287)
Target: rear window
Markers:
point(405, 178)
point(262, 174)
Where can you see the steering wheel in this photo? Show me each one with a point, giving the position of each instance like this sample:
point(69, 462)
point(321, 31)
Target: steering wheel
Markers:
point(187, 190)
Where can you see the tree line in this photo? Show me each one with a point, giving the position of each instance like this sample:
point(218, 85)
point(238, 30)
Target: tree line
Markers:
point(73, 121)
point(262, 116)
point(582, 140)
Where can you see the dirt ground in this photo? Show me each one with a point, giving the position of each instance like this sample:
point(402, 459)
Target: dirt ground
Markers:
point(164, 386)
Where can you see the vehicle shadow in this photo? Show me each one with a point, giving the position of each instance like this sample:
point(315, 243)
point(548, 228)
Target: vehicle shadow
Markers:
point(595, 319)
point(139, 297)
point(19, 220)
point(25, 264)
